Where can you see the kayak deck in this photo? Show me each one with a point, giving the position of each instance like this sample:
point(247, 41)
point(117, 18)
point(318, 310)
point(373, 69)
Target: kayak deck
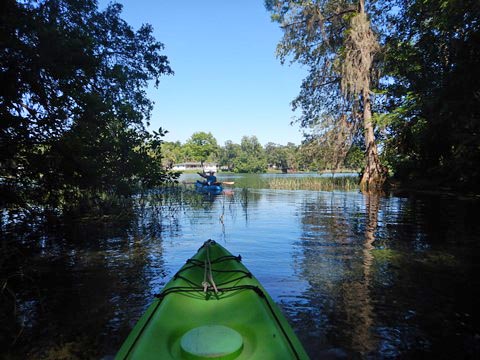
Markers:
point(212, 308)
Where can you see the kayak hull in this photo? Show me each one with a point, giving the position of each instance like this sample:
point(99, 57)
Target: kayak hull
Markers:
point(212, 189)
point(240, 304)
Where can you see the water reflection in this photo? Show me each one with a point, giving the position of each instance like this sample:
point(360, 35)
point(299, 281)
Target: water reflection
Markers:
point(377, 285)
point(337, 263)
point(80, 280)
point(358, 276)
point(363, 332)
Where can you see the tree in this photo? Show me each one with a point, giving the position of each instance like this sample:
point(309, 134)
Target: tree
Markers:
point(333, 142)
point(434, 94)
point(354, 159)
point(228, 154)
point(172, 153)
point(276, 156)
point(72, 102)
point(291, 151)
point(201, 146)
point(252, 157)
point(361, 45)
point(283, 157)
point(335, 41)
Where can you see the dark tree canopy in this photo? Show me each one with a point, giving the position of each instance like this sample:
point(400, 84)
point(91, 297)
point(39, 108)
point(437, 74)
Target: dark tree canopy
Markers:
point(73, 104)
point(433, 57)
point(426, 109)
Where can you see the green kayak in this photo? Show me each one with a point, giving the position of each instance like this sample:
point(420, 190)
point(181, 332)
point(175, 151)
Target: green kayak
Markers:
point(213, 308)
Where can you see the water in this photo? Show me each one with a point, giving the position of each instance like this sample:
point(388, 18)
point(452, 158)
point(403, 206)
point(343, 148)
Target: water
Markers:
point(357, 276)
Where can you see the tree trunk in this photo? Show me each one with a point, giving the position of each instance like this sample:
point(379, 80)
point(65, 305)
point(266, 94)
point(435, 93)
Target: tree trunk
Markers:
point(361, 6)
point(375, 173)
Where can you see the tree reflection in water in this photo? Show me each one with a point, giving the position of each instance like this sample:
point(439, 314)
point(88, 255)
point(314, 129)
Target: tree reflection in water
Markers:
point(384, 281)
point(337, 263)
point(358, 276)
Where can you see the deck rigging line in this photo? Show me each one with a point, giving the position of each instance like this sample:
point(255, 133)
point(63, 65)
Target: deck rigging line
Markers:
point(208, 284)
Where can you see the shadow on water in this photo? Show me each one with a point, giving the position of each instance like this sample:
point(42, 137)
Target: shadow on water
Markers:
point(70, 282)
point(72, 286)
point(389, 278)
point(358, 276)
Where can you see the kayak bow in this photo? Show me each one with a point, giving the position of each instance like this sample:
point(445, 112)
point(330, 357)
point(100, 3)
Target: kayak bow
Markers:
point(213, 308)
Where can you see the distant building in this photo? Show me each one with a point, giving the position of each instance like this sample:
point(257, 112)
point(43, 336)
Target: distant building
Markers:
point(195, 166)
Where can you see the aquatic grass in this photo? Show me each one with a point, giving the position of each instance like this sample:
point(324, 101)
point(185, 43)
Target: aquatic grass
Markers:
point(345, 183)
point(388, 256)
point(436, 259)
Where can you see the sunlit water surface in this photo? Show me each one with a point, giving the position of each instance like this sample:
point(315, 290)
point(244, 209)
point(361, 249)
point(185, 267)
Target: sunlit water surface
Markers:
point(357, 276)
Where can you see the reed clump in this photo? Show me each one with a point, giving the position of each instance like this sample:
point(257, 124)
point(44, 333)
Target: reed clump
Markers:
point(345, 183)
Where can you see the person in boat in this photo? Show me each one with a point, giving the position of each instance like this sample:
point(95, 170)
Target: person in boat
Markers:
point(210, 178)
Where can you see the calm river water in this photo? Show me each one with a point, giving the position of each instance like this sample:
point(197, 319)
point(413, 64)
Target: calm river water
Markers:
point(357, 276)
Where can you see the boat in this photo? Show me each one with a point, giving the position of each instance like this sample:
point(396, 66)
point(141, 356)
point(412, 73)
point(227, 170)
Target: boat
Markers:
point(213, 308)
point(212, 189)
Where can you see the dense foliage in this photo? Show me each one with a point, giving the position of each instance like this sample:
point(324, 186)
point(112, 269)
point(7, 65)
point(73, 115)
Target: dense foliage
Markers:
point(73, 104)
point(432, 59)
point(426, 102)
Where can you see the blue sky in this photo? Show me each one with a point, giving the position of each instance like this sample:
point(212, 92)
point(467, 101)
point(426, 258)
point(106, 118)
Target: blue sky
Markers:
point(227, 79)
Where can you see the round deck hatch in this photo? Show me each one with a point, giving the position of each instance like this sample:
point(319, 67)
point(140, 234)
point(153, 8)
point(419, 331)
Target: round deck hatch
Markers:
point(211, 342)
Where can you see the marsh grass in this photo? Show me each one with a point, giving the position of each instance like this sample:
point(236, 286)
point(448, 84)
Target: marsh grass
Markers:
point(345, 183)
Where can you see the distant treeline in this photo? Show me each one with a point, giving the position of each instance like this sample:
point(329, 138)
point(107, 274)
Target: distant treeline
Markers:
point(251, 157)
